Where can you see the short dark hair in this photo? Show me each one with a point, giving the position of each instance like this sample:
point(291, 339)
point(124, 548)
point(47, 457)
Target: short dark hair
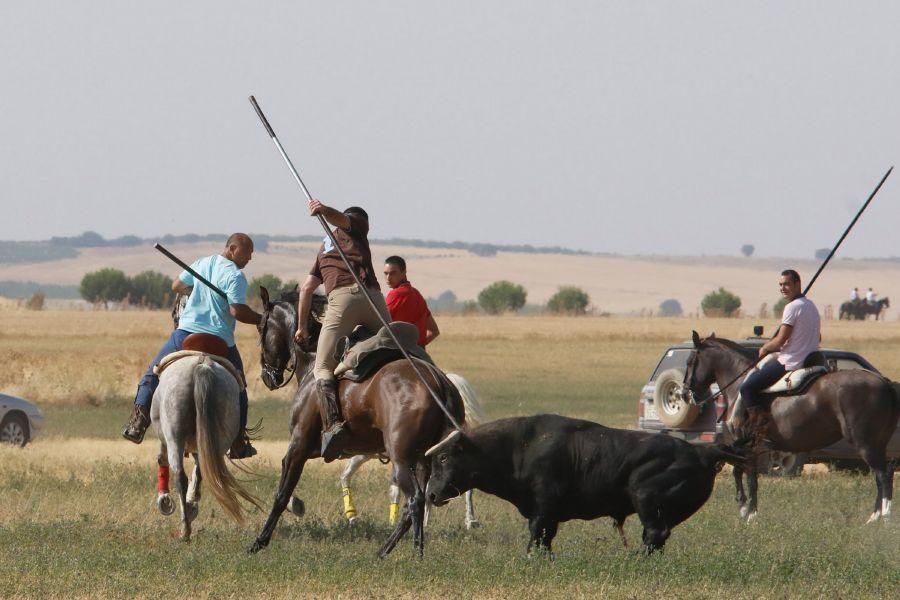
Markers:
point(355, 210)
point(396, 261)
point(239, 239)
point(794, 275)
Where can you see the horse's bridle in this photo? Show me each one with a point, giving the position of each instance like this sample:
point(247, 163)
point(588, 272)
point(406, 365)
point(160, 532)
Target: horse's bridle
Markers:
point(268, 369)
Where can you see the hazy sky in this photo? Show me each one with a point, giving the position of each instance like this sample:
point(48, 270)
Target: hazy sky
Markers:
point(631, 127)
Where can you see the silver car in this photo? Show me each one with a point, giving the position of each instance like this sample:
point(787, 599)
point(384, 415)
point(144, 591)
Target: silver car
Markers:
point(20, 420)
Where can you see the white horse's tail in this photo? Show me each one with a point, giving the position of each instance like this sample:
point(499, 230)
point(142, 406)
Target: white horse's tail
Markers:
point(215, 473)
point(474, 412)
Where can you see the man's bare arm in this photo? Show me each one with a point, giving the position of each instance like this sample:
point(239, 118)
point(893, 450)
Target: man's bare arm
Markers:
point(776, 343)
point(431, 329)
point(180, 287)
point(244, 314)
point(334, 217)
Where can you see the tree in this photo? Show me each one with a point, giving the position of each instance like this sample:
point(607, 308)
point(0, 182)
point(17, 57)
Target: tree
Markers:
point(501, 296)
point(151, 288)
point(747, 250)
point(266, 280)
point(104, 285)
point(670, 308)
point(569, 300)
point(778, 308)
point(720, 303)
point(822, 253)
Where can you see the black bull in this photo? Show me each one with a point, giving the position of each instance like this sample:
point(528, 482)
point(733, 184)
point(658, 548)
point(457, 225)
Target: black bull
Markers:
point(554, 469)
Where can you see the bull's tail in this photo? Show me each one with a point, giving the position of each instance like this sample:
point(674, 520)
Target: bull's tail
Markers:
point(213, 469)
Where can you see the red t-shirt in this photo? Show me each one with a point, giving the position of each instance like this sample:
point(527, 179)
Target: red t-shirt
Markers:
point(406, 304)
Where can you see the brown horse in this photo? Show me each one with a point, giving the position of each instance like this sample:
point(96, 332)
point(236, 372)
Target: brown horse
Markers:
point(391, 413)
point(859, 406)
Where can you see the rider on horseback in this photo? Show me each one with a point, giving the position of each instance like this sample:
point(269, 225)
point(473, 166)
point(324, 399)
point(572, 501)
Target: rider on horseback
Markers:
point(206, 312)
point(347, 308)
point(797, 338)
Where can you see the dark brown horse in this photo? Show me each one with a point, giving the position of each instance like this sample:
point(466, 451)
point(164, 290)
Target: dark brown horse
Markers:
point(861, 309)
point(859, 406)
point(391, 413)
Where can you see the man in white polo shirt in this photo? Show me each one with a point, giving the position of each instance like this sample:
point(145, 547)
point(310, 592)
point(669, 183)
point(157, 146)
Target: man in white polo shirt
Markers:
point(797, 338)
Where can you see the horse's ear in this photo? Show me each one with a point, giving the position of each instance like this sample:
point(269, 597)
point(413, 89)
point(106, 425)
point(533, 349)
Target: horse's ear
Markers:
point(713, 334)
point(696, 337)
point(264, 295)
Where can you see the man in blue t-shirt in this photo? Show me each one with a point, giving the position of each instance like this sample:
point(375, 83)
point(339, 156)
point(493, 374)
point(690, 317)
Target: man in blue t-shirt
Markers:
point(206, 312)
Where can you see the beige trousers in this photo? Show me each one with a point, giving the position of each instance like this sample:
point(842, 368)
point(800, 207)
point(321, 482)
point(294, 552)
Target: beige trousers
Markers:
point(347, 308)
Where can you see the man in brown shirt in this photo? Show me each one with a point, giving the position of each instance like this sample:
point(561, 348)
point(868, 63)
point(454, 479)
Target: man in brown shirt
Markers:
point(347, 308)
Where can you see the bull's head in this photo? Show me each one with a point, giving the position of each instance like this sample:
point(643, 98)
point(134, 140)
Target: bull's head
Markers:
point(698, 374)
point(454, 466)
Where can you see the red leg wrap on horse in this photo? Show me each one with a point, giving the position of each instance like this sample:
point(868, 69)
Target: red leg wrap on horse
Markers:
point(163, 485)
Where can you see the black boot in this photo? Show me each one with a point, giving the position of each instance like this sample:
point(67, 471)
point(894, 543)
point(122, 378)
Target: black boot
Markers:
point(241, 447)
point(137, 426)
point(333, 430)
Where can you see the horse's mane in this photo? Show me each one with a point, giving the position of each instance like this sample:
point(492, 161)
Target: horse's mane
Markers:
point(730, 345)
point(291, 296)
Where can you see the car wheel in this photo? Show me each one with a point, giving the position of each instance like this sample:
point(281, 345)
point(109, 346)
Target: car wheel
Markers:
point(670, 407)
point(14, 430)
point(787, 464)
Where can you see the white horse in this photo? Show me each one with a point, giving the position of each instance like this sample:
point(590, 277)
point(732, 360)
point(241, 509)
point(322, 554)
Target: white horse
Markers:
point(474, 417)
point(195, 409)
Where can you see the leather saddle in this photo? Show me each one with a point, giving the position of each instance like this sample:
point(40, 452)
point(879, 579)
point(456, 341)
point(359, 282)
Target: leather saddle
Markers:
point(362, 353)
point(797, 382)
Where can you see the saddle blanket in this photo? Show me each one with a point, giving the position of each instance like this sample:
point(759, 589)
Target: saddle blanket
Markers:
point(364, 358)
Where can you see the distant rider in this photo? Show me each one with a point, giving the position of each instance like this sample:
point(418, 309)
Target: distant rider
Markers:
point(406, 303)
point(871, 297)
point(206, 312)
point(347, 308)
point(854, 296)
point(798, 336)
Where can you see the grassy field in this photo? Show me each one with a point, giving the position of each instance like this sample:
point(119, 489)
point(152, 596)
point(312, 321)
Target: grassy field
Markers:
point(77, 515)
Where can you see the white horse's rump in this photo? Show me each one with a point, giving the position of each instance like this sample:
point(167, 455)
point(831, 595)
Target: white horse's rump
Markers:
point(474, 417)
point(195, 409)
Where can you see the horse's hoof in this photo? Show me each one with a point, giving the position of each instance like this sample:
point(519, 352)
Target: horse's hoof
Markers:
point(296, 506)
point(472, 524)
point(873, 517)
point(751, 517)
point(255, 547)
point(165, 504)
point(744, 512)
point(351, 520)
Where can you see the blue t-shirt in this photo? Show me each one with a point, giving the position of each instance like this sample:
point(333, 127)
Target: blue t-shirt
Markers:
point(206, 311)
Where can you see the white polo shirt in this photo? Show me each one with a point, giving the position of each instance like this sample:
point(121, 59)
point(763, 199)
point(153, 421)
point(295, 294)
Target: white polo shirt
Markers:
point(803, 316)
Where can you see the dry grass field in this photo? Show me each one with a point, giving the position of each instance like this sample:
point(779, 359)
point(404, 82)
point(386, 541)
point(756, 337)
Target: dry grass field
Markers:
point(77, 515)
point(616, 284)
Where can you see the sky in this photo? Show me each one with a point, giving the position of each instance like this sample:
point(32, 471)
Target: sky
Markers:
point(672, 128)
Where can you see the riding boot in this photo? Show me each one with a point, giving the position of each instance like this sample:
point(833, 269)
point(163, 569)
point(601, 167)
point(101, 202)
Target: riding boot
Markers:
point(137, 426)
point(333, 429)
point(757, 426)
point(241, 447)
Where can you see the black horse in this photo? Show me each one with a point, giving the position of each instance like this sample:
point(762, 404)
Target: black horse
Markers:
point(857, 405)
point(862, 309)
point(391, 413)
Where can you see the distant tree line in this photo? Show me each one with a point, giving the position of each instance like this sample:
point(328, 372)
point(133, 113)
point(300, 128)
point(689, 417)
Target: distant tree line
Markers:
point(148, 288)
point(24, 289)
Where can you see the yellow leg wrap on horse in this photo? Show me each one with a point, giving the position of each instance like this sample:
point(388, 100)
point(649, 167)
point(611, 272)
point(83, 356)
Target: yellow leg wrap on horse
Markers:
point(349, 509)
point(393, 512)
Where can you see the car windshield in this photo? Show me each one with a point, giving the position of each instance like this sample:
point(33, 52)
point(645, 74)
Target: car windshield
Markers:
point(674, 358)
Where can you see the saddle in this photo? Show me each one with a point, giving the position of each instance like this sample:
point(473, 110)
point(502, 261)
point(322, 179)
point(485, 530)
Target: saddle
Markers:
point(203, 344)
point(797, 382)
point(362, 354)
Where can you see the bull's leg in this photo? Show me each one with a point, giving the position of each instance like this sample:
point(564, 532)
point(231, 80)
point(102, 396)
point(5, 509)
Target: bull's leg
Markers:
point(542, 529)
point(350, 470)
point(291, 469)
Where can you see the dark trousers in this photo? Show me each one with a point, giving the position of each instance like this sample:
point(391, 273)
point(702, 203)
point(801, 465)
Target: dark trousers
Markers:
point(759, 380)
point(150, 380)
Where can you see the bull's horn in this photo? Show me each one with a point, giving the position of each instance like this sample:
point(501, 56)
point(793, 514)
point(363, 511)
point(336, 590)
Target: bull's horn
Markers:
point(444, 443)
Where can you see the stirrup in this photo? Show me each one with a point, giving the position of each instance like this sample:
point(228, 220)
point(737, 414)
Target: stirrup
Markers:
point(332, 441)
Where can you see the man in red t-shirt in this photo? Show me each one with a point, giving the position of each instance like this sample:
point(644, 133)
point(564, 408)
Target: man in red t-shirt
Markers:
point(406, 303)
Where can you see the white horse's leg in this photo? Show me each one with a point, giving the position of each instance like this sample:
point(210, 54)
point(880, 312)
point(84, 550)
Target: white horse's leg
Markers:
point(193, 493)
point(352, 467)
point(471, 519)
point(163, 499)
point(176, 464)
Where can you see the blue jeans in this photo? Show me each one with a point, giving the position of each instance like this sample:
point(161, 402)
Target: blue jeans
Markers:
point(150, 381)
point(757, 381)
